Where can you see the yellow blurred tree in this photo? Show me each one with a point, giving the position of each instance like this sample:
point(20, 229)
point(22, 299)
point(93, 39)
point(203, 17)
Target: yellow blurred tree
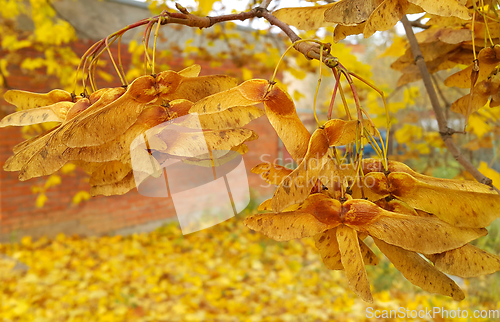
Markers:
point(339, 196)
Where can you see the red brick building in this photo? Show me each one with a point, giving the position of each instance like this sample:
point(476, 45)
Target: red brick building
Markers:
point(19, 215)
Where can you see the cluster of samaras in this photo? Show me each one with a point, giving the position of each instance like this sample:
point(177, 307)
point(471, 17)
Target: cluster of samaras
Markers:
point(406, 214)
point(96, 132)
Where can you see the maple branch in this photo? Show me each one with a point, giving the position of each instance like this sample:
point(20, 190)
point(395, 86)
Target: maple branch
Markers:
point(445, 132)
point(309, 50)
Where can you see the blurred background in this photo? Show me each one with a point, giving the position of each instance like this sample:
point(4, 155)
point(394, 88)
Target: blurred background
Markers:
point(66, 256)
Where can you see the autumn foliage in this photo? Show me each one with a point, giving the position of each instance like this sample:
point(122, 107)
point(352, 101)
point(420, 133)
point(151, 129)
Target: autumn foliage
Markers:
point(422, 224)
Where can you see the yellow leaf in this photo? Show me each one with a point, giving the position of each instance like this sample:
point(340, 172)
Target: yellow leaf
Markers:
point(305, 18)
point(488, 58)
point(396, 49)
point(297, 95)
point(297, 73)
point(205, 6)
point(351, 12)
point(423, 148)
point(445, 8)
point(53, 180)
point(478, 126)
point(410, 94)
point(480, 96)
point(106, 76)
point(385, 16)
point(40, 200)
point(408, 133)
point(341, 31)
point(80, 196)
point(68, 168)
point(246, 73)
point(490, 173)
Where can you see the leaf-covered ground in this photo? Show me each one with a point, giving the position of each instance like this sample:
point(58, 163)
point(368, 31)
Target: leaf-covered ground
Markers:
point(225, 273)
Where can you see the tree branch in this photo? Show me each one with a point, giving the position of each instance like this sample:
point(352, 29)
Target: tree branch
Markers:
point(444, 130)
point(309, 50)
point(265, 4)
point(419, 24)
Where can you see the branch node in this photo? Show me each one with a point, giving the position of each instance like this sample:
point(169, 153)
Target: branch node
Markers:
point(163, 20)
point(447, 133)
point(487, 181)
point(181, 9)
point(259, 11)
point(418, 57)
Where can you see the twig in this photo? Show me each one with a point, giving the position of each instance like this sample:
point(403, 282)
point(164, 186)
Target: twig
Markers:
point(445, 132)
point(265, 4)
point(309, 50)
point(419, 24)
point(447, 105)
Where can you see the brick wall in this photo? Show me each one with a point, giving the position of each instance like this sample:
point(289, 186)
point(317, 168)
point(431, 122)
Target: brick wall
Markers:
point(18, 214)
